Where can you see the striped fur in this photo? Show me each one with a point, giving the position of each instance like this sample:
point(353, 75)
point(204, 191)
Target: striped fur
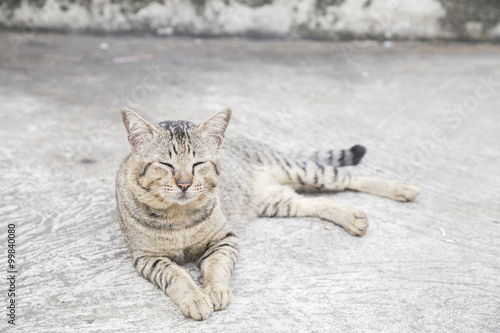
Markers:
point(178, 203)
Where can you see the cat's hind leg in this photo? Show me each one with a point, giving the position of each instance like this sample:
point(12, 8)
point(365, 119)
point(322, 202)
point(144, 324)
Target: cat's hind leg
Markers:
point(395, 190)
point(273, 199)
point(314, 176)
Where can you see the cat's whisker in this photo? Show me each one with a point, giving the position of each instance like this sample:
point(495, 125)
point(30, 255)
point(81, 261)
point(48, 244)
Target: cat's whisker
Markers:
point(212, 196)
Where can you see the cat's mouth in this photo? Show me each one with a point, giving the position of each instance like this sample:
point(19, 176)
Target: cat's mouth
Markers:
point(184, 198)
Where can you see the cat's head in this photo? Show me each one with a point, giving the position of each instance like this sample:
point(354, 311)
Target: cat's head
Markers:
point(175, 162)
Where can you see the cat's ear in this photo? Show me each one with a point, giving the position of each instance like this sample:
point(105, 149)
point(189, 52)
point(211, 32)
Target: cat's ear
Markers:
point(215, 126)
point(140, 132)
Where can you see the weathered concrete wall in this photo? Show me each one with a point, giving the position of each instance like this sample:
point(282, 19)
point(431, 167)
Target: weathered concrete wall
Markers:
point(319, 19)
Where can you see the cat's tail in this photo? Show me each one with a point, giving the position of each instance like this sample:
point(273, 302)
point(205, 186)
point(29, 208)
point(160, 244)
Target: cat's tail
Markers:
point(335, 157)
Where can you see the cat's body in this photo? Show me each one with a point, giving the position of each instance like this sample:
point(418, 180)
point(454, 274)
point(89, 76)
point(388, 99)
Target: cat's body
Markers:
point(180, 195)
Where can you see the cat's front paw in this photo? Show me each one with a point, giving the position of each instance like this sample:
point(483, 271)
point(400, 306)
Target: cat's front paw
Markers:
point(197, 305)
point(404, 191)
point(219, 294)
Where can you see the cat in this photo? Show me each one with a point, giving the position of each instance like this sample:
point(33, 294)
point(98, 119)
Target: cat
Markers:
point(180, 195)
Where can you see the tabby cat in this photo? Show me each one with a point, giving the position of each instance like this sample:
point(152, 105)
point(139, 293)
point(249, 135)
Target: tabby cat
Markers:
point(178, 203)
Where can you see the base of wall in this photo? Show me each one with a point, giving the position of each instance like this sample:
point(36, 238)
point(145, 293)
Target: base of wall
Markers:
point(477, 20)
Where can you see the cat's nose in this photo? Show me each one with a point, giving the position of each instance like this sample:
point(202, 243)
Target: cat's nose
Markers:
point(184, 186)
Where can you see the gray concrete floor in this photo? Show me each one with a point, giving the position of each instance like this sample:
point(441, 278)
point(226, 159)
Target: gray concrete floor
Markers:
point(428, 266)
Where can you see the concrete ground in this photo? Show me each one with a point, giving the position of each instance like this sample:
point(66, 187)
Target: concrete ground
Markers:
point(427, 113)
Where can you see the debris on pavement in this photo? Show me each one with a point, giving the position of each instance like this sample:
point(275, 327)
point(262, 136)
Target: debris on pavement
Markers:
point(123, 60)
point(444, 236)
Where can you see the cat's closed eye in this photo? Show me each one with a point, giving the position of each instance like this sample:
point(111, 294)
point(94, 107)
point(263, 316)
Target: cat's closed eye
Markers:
point(197, 164)
point(168, 165)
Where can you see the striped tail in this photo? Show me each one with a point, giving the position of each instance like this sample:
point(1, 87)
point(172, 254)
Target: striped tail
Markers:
point(336, 158)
